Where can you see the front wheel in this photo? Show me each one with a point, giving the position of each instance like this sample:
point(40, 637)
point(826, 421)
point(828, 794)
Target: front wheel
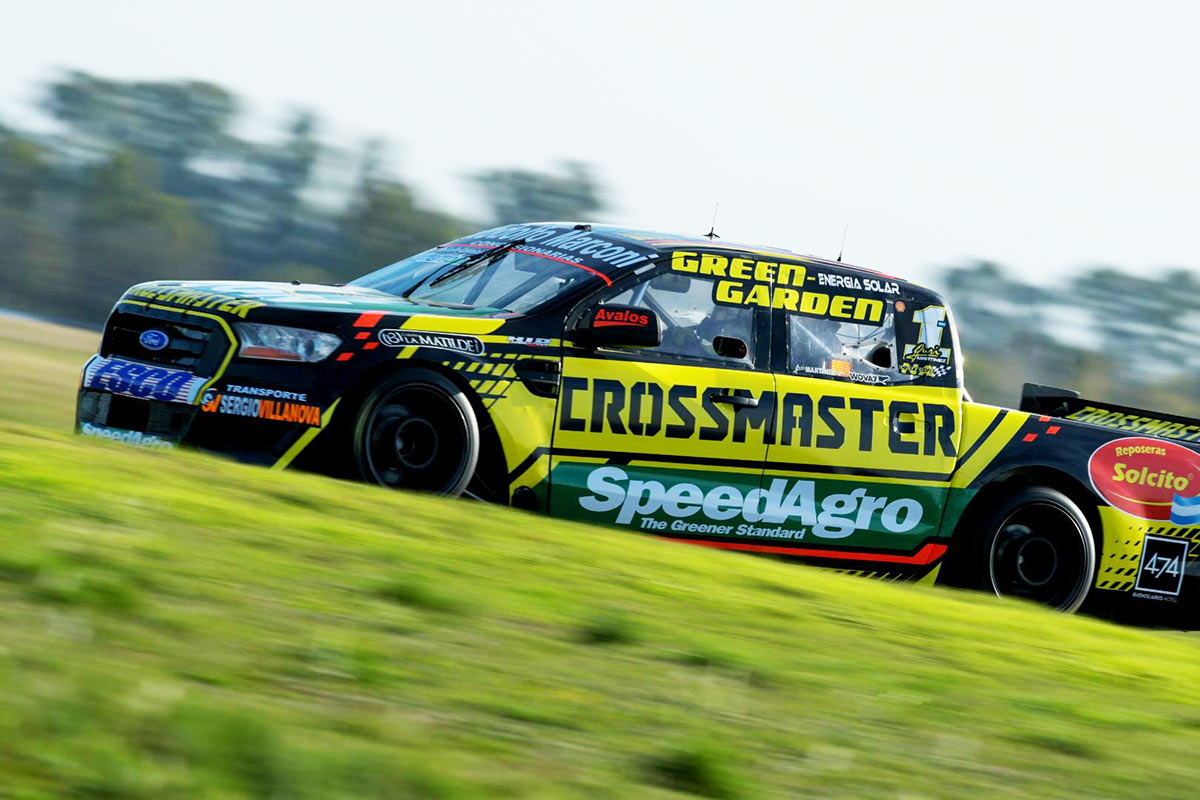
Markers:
point(417, 430)
point(1036, 544)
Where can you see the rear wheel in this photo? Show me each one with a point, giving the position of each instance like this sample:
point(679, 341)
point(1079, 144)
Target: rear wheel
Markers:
point(1036, 544)
point(417, 430)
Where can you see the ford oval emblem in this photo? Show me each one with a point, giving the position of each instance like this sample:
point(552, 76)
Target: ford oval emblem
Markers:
point(154, 339)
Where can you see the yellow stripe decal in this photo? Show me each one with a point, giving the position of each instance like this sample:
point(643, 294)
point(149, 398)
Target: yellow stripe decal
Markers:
point(931, 578)
point(986, 451)
point(305, 438)
point(452, 324)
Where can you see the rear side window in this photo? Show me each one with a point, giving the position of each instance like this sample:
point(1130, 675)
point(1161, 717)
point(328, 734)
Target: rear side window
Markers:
point(911, 344)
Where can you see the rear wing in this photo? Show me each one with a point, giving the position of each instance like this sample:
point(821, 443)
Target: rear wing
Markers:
point(1066, 403)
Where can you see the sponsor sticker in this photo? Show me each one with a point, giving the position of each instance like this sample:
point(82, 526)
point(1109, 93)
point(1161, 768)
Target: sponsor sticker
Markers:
point(740, 281)
point(1148, 478)
point(929, 356)
point(394, 337)
point(608, 317)
point(134, 438)
point(1136, 423)
point(262, 391)
point(682, 411)
point(838, 371)
point(196, 298)
point(531, 341)
point(1162, 566)
point(783, 509)
point(562, 243)
point(215, 402)
point(144, 381)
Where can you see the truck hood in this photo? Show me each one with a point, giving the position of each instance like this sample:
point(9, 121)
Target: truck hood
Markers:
point(243, 298)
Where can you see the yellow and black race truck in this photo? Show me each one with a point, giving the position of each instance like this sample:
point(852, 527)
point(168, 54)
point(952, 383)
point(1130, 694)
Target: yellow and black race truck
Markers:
point(732, 396)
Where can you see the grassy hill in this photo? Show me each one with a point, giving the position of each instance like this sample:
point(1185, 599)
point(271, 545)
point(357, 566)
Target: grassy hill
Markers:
point(178, 626)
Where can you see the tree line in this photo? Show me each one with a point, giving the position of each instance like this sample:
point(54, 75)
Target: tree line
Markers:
point(142, 180)
point(147, 180)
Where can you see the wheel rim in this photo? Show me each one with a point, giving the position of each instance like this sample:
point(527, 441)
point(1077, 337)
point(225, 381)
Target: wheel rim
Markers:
point(416, 438)
point(1040, 552)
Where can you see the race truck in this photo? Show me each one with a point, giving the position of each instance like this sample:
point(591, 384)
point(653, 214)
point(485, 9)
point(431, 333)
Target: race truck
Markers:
point(732, 396)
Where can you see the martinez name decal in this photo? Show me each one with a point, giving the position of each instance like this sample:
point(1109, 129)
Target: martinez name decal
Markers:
point(836, 516)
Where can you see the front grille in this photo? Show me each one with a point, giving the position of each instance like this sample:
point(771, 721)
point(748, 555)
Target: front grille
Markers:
point(188, 348)
point(131, 414)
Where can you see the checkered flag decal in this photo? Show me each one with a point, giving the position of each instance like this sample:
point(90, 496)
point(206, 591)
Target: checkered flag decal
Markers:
point(940, 370)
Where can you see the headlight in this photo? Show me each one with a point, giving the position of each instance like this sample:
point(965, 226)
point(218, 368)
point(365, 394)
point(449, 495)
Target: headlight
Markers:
point(284, 344)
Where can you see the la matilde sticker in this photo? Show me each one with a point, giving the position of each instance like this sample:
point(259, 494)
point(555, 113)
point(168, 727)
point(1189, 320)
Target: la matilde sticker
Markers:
point(394, 337)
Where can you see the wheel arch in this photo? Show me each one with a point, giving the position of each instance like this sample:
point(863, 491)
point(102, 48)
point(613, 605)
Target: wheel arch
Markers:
point(492, 467)
point(1011, 480)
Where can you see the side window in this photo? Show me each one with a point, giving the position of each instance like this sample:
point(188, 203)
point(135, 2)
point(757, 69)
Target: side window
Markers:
point(910, 344)
point(691, 320)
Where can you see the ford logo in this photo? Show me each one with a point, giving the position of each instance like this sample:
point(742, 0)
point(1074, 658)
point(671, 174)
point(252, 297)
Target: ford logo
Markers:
point(154, 339)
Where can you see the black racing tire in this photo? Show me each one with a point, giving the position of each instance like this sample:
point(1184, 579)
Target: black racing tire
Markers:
point(1034, 543)
point(416, 430)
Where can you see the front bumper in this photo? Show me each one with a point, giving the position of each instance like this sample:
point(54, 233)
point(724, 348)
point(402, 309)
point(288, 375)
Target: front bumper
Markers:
point(194, 392)
point(167, 425)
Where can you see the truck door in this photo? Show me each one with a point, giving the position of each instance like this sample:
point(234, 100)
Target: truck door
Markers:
point(868, 426)
point(669, 439)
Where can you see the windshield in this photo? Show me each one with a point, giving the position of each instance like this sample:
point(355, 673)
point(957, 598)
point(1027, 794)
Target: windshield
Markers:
point(514, 281)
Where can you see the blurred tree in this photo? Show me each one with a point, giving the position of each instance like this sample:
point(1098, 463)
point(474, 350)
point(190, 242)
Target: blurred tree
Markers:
point(259, 210)
point(385, 223)
point(129, 231)
point(32, 258)
point(22, 171)
point(997, 305)
point(517, 195)
point(172, 122)
point(293, 166)
point(1145, 324)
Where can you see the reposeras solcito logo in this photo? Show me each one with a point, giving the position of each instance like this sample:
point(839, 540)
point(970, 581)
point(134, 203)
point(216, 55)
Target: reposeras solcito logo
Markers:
point(1148, 478)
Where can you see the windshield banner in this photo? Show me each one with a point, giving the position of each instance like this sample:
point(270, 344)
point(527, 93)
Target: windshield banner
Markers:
point(564, 243)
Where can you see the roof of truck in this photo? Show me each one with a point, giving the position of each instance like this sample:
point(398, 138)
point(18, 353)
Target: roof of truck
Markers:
point(667, 242)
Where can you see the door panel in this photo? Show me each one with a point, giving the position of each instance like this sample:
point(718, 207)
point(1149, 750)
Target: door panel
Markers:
point(671, 449)
point(878, 459)
point(869, 425)
point(668, 439)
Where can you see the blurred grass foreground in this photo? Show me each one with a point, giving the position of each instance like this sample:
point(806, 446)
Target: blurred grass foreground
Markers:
point(179, 626)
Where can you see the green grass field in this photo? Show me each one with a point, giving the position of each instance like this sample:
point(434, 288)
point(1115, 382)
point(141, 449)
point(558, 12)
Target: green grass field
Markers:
point(178, 626)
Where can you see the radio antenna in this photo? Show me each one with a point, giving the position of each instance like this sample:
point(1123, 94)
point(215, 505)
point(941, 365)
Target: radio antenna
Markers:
point(712, 229)
point(842, 249)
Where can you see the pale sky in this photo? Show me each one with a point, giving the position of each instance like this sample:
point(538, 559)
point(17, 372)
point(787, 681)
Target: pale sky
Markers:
point(1047, 136)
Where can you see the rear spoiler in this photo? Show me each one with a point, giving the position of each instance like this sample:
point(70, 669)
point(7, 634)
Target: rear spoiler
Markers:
point(1066, 403)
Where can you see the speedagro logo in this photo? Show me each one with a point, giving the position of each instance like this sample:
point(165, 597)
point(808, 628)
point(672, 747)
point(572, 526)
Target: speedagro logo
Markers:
point(835, 516)
point(1148, 478)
